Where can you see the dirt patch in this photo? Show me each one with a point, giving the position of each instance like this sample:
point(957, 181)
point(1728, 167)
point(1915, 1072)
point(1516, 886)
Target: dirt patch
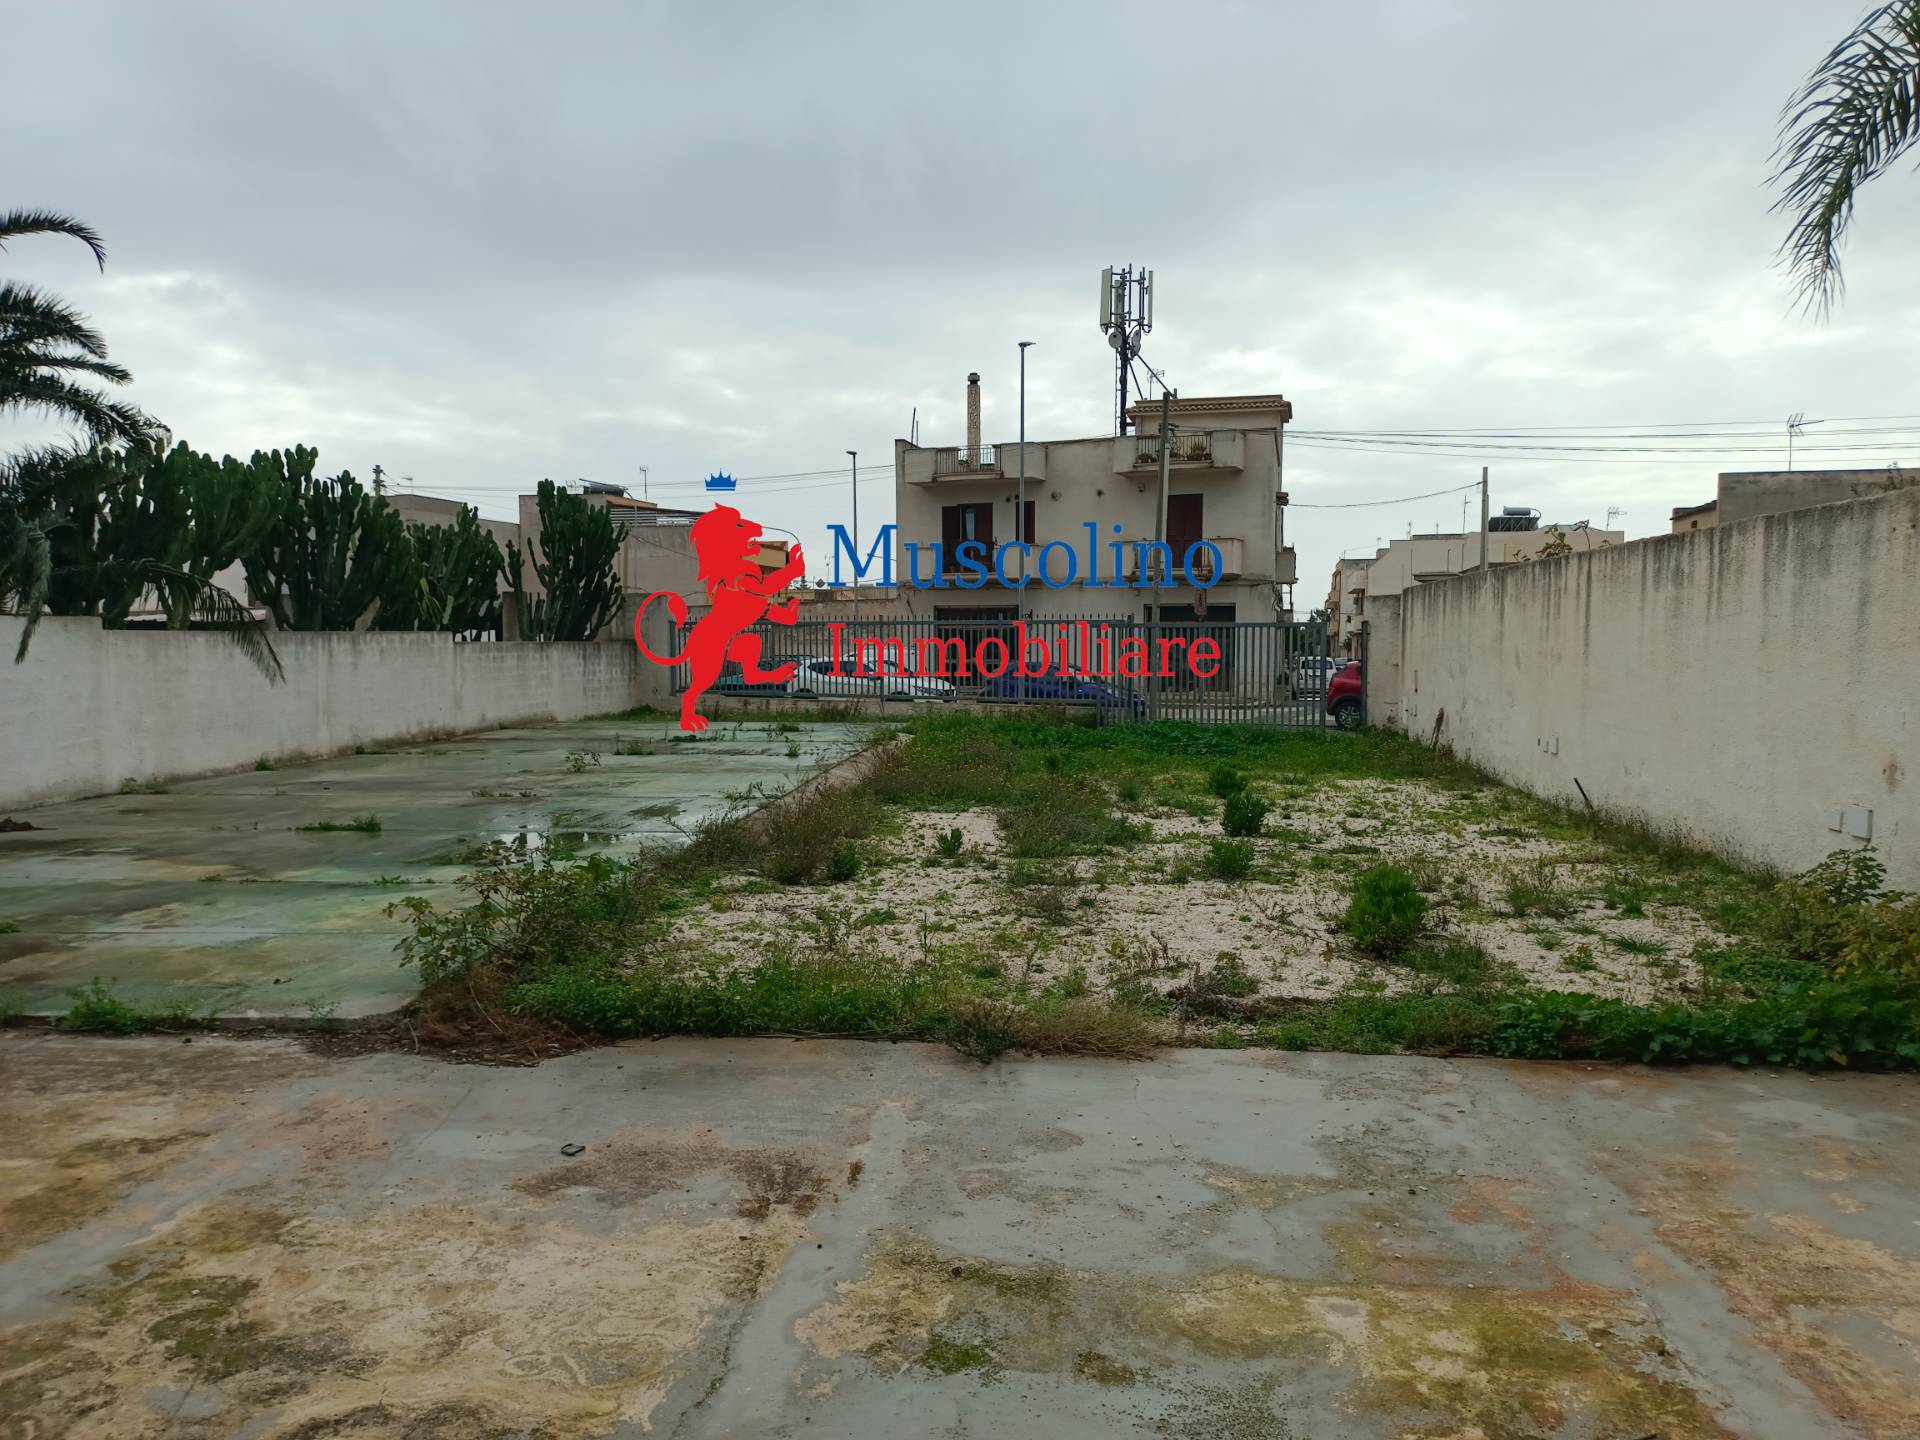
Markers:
point(624, 1171)
point(1150, 914)
point(1434, 1360)
point(1840, 1312)
point(429, 1322)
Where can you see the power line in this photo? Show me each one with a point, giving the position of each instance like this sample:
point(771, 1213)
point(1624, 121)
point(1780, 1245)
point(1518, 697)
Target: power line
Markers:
point(1365, 504)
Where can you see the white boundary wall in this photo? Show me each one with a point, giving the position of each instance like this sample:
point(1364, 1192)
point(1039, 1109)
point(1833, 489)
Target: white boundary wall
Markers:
point(90, 708)
point(1741, 685)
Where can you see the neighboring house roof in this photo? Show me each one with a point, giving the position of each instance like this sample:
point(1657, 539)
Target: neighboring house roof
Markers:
point(1213, 405)
point(1682, 510)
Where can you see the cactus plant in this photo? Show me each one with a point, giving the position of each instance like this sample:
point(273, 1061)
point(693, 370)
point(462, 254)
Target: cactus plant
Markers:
point(583, 590)
point(322, 565)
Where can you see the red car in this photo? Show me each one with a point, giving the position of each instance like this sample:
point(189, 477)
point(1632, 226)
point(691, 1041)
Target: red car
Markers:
point(1343, 697)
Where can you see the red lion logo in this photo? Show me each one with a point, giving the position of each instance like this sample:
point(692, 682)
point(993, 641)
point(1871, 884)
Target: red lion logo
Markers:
point(727, 546)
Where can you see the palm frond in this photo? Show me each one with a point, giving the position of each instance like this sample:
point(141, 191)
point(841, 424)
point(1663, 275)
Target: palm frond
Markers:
point(15, 223)
point(30, 316)
point(107, 420)
point(217, 606)
point(1853, 117)
point(32, 359)
point(26, 575)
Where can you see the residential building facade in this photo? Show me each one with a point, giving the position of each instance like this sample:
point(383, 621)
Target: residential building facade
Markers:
point(1092, 503)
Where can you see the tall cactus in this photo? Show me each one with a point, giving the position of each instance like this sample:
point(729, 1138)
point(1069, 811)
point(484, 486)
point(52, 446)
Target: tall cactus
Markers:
point(323, 564)
point(445, 577)
point(583, 589)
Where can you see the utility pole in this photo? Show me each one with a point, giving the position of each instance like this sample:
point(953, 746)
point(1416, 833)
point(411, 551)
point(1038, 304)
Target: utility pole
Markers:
point(1020, 496)
point(854, 456)
point(1483, 519)
point(1158, 553)
point(380, 480)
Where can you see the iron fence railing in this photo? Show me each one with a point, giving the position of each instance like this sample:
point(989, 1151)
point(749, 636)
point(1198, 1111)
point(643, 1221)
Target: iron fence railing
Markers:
point(965, 460)
point(1119, 668)
point(1188, 447)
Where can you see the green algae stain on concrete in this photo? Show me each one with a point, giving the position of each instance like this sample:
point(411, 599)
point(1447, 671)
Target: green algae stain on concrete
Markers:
point(1435, 1361)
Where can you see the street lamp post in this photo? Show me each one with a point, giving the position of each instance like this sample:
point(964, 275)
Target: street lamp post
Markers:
point(854, 456)
point(1020, 496)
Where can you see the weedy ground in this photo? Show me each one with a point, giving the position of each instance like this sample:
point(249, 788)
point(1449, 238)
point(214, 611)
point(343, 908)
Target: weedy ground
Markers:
point(1035, 883)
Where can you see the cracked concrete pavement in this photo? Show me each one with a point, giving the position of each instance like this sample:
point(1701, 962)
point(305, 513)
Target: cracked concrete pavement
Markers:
point(240, 1238)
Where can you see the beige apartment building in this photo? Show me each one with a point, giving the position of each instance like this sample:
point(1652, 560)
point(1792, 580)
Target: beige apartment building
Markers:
point(1086, 497)
point(1405, 563)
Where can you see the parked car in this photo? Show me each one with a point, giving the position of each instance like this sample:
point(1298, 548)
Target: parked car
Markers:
point(1343, 697)
point(1060, 690)
point(1309, 674)
point(895, 682)
point(903, 684)
point(733, 682)
point(817, 678)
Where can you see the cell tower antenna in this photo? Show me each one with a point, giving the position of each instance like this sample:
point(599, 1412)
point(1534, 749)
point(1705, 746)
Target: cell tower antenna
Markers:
point(1126, 315)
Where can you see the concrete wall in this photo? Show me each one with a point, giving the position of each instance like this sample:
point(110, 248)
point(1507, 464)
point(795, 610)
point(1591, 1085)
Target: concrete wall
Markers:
point(1740, 684)
point(1745, 494)
point(89, 708)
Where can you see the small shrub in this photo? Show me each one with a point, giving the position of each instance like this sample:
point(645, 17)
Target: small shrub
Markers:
point(1244, 814)
point(1215, 989)
point(1386, 912)
point(802, 837)
point(93, 1007)
point(949, 843)
point(582, 760)
point(1229, 859)
point(844, 863)
point(1223, 781)
point(263, 764)
point(1127, 788)
point(131, 786)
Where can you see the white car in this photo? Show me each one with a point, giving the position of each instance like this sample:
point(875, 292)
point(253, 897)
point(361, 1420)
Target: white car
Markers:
point(817, 678)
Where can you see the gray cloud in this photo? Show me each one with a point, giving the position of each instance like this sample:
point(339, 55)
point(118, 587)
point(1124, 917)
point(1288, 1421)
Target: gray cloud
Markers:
point(480, 245)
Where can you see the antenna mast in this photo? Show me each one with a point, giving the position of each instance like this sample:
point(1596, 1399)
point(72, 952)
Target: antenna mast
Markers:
point(1126, 315)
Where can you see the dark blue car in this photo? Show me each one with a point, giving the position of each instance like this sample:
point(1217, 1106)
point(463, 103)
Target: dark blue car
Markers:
point(1059, 690)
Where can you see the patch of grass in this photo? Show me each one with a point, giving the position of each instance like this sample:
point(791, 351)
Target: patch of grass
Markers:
point(1244, 814)
point(132, 786)
point(1064, 819)
point(1536, 890)
point(1229, 859)
point(263, 763)
point(1630, 945)
point(363, 824)
point(949, 843)
point(811, 835)
point(579, 761)
point(1386, 912)
point(1459, 963)
point(9, 927)
point(945, 1356)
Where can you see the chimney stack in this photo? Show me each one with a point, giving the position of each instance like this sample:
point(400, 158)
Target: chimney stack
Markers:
point(973, 416)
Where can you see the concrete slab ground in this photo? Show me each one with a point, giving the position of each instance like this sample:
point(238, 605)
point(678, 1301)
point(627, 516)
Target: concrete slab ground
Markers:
point(238, 1238)
point(215, 897)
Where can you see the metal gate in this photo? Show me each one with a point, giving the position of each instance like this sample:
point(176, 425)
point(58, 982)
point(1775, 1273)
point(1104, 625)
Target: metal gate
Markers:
point(1122, 669)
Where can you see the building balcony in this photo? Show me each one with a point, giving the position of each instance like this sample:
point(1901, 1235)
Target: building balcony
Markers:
point(1232, 563)
point(954, 464)
point(1191, 452)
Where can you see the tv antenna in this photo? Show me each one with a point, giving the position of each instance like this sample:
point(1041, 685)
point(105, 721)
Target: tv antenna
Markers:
point(1126, 315)
point(1614, 512)
point(1796, 423)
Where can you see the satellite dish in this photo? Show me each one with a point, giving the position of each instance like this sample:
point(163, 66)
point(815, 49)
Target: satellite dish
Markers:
point(1115, 339)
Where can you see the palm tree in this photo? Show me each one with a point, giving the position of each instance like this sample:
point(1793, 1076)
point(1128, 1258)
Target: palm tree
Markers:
point(44, 342)
point(1850, 121)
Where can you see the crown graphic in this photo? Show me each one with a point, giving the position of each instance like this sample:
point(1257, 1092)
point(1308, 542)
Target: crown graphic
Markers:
point(721, 481)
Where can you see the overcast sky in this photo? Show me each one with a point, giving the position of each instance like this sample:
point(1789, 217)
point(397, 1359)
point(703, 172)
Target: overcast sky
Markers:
point(479, 245)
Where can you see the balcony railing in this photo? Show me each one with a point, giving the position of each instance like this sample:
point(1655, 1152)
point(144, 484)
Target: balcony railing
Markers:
point(1188, 448)
point(966, 460)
